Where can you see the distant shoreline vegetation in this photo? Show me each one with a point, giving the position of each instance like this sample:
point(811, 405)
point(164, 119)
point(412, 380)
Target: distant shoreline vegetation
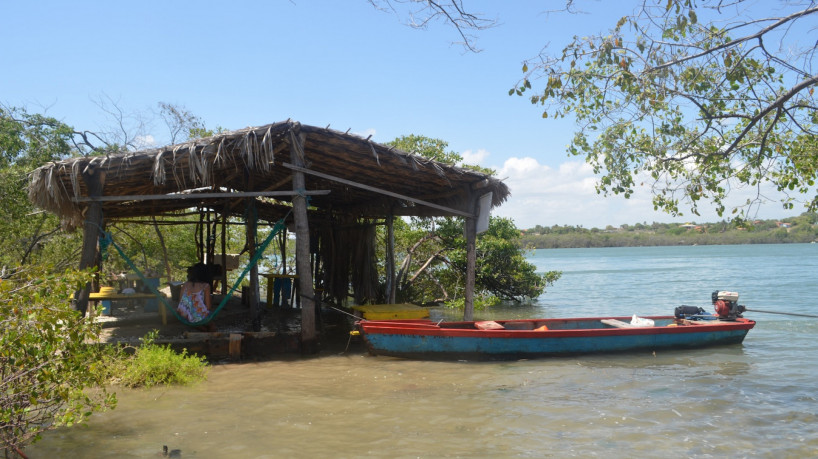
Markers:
point(801, 229)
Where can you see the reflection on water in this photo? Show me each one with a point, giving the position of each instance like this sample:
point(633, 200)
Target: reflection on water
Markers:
point(755, 399)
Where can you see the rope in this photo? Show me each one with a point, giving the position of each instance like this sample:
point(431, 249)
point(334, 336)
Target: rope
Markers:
point(361, 319)
point(253, 260)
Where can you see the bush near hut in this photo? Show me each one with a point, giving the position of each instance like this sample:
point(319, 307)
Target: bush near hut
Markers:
point(50, 374)
point(153, 364)
point(434, 264)
point(434, 250)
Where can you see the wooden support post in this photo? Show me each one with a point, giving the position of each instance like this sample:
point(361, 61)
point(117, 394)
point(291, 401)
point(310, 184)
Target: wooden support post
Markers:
point(309, 339)
point(471, 261)
point(315, 259)
point(200, 251)
point(282, 248)
point(234, 346)
point(94, 181)
point(253, 300)
point(225, 213)
point(209, 241)
point(390, 259)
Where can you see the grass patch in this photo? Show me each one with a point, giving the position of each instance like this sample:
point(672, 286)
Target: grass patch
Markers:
point(153, 364)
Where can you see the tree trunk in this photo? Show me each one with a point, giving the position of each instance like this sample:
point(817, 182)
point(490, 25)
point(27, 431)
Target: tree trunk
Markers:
point(164, 249)
point(309, 341)
point(95, 181)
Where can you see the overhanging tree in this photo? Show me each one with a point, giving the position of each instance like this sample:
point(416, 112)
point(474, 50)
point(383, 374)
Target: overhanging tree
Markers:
point(694, 98)
point(29, 140)
point(27, 236)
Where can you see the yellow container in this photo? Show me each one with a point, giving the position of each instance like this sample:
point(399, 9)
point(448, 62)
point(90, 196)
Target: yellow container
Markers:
point(392, 311)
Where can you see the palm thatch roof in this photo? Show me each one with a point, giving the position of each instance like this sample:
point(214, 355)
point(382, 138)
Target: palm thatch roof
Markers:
point(344, 173)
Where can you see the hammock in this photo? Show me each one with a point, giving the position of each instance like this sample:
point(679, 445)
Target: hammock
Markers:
point(107, 240)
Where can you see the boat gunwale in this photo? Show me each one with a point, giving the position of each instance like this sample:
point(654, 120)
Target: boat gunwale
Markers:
point(423, 327)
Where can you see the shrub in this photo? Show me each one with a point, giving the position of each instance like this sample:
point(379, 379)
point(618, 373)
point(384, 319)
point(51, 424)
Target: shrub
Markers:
point(154, 364)
point(47, 361)
point(481, 302)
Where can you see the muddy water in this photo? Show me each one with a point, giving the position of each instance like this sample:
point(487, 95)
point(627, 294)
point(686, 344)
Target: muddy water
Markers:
point(670, 405)
point(759, 399)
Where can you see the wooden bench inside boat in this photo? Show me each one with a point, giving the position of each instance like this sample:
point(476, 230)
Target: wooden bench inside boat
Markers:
point(617, 323)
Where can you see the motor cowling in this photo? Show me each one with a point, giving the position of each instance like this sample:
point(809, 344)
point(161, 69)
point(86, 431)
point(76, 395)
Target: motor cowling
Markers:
point(689, 312)
point(726, 305)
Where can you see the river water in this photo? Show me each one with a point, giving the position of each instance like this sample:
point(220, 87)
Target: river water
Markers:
point(757, 399)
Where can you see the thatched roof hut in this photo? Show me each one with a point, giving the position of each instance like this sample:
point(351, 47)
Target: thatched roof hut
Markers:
point(363, 178)
point(278, 168)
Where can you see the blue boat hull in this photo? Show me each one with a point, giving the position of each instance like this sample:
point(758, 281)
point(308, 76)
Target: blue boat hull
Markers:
point(426, 341)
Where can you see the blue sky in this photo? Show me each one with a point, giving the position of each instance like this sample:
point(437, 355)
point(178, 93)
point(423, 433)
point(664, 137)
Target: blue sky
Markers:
point(338, 63)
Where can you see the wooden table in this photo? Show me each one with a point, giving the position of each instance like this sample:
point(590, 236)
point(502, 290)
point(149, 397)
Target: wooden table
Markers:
point(271, 285)
point(109, 297)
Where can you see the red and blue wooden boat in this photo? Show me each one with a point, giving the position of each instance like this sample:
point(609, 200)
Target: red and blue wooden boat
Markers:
point(534, 338)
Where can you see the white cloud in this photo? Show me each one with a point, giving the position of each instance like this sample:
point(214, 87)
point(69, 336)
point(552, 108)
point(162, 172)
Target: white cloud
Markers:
point(366, 133)
point(542, 195)
point(144, 141)
point(474, 157)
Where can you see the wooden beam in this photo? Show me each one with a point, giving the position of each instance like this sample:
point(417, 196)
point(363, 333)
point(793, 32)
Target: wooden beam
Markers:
point(471, 261)
point(224, 250)
point(279, 184)
point(419, 212)
point(309, 332)
point(95, 181)
point(390, 259)
point(378, 190)
point(180, 196)
point(253, 300)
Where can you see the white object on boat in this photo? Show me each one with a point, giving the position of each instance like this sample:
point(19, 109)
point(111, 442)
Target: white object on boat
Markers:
point(640, 322)
point(727, 296)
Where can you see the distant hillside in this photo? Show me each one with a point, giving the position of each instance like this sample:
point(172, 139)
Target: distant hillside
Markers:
point(801, 229)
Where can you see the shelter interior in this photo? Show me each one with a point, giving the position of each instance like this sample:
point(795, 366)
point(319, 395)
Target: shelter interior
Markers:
point(328, 187)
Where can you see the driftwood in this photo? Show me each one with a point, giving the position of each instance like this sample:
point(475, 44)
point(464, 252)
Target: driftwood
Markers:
point(407, 260)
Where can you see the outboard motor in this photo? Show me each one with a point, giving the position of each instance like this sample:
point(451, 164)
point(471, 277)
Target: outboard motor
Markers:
point(690, 312)
point(726, 304)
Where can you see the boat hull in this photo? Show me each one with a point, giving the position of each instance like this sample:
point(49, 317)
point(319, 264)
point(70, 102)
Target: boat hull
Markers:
point(461, 341)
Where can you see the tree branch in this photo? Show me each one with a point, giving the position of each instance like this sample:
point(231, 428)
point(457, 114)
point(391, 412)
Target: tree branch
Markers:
point(736, 42)
point(778, 103)
point(451, 11)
